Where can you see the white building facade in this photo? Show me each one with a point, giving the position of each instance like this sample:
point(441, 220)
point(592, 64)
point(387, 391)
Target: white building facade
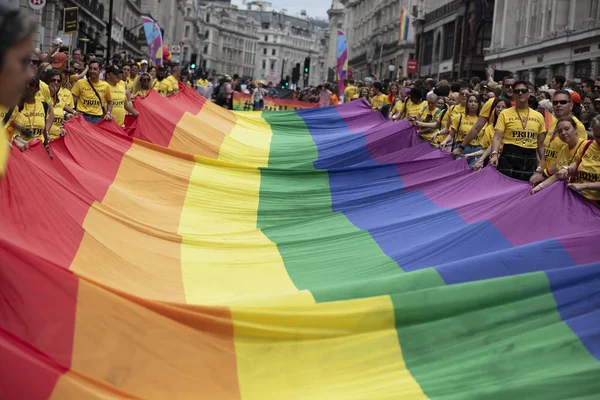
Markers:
point(286, 40)
point(536, 39)
point(230, 40)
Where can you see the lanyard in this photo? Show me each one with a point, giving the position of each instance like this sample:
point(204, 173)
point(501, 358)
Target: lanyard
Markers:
point(523, 122)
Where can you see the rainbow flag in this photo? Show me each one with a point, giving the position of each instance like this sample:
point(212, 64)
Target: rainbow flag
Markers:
point(342, 61)
point(322, 253)
point(404, 25)
point(243, 102)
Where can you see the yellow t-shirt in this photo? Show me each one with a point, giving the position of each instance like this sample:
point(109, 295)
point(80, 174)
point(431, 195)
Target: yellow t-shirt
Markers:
point(414, 108)
point(33, 117)
point(428, 115)
point(141, 92)
point(163, 87)
point(377, 102)
point(462, 125)
point(569, 156)
point(44, 93)
point(589, 169)
point(350, 92)
point(119, 97)
point(553, 148)
point(59, 108)
point(131, 81)
point(487, 111)
point(202, 82)
point(66, 97)
point(398, 108)
point(487, 137)
point(510, 122)
point(174, 83)
point(88, 101)
point(4, 143)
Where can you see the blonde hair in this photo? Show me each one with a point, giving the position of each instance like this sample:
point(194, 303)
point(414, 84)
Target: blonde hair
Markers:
point(138, 83)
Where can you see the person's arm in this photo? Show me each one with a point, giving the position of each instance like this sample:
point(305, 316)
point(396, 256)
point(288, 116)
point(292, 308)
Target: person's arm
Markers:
point(450, 136)
point(70, 110)
point(540, 148)
point(430, 125)
point(129, 104)
point(479, 164)
point(477, 127)
point(49, 122)
point(584, 186)
point(474, 154)
point(82, 74)
point(109, 106)
point(544, 184)
point(495, 146)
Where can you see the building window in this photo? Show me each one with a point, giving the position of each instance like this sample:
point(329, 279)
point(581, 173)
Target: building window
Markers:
point(272, 65)
point(188, 12)
point(264, 64)
point(427, 48)
point(205, 49)
point(484, 38)
point(187, 32)
point(207, 18)
point(266, 38)
point(266, 25)
point(274, 52)
point(265, 51)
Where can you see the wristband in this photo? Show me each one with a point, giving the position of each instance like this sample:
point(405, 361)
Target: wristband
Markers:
point(539, 170)
point(494, 153)
point(546, 173)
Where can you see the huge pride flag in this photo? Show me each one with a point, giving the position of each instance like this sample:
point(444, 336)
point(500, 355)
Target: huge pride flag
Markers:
point(310, 254)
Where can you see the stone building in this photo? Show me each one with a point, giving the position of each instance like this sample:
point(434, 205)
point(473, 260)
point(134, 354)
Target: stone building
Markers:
point(285, 40)
point(536, 39)
point(230, 40)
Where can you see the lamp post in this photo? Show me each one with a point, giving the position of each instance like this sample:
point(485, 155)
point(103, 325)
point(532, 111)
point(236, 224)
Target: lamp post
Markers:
point(392, 68)
point(109, 28)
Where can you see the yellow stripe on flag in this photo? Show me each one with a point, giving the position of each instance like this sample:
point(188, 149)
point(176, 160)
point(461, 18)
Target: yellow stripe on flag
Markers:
point(225, 257)
point(342, 350)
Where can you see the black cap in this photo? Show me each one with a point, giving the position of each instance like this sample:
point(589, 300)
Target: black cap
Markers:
point(113, 69)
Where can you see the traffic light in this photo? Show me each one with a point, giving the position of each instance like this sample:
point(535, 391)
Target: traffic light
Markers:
point(287, 81)
point(282, 85)
point(307, 65)
point(193, 66)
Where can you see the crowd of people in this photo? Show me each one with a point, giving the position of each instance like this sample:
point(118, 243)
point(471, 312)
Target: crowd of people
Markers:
point(536, 134)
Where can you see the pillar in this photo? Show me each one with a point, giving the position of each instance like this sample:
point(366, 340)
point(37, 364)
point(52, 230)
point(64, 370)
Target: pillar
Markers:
point(572, 13)
point(595, 67)
point(569, 70)
point(528, 22)
point(548, 75)
point(531, 73)
point(561, 14)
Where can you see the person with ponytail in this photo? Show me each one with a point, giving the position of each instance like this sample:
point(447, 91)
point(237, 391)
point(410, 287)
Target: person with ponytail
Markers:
point(16, 31)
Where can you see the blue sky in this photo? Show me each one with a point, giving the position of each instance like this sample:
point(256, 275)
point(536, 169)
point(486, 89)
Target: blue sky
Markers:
point(313, 8)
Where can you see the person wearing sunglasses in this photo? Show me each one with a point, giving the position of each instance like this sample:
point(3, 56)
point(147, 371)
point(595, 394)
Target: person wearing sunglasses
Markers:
point(92, 96)
point(16, 30)
point(486, 115)
point(143, 85)
point(62, 102)
point(121, 96)
point(562, 103)
point(522, 131)
point(34, 118)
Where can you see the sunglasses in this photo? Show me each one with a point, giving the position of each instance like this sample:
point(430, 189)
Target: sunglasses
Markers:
point(521, 91)
point(557, 102)
point(145, 80)
point(55, 80)
point(509, 86)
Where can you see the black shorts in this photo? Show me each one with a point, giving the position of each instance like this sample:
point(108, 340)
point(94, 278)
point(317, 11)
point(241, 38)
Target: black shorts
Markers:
point(517, 162)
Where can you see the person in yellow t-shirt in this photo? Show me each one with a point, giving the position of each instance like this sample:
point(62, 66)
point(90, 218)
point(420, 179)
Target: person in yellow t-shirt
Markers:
point(521, 130)
point(363, 93)
point(583, 167)
point(174, 78)
point(61, 100)
point(163, 85)
point(486, 115)
point(350, 91)
point(453, 113)
point(429, 113)
point(120, 95)
point(412, 108)
point(462, 123)
point(34, 116)
point(143, 86)
point(90, 104)
point(379, 100)
point(202, 82)
point(488, 136)
point(562, 103)
point(566, 129)
point(133, 75)
point(17, 32)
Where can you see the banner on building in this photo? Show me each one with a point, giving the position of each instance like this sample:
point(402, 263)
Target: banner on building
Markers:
point(243, 102)
point(154, 39)
point(342, 60)
point(404, 25)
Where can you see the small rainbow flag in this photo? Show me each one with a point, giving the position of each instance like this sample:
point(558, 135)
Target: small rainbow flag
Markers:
point(404, 25)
